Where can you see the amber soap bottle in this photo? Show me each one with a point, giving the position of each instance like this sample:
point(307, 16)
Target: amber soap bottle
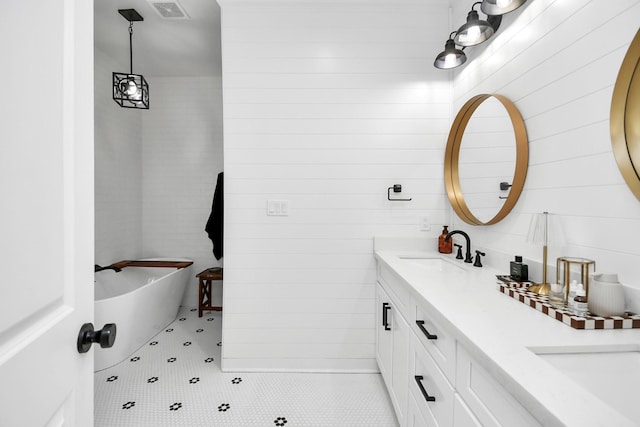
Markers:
point(443, 246)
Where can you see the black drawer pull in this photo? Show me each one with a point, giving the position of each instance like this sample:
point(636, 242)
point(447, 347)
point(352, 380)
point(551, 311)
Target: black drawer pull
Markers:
point(428, 398)
point(385, 308)
point(430, 336)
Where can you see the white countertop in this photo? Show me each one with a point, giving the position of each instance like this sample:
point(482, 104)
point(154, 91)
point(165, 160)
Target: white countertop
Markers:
point(499, 332)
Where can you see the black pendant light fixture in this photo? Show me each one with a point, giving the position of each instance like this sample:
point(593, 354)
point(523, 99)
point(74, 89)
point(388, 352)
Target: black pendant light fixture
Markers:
point(451, 56)
point(500, 7)
point(474, 31)
point(130, 90)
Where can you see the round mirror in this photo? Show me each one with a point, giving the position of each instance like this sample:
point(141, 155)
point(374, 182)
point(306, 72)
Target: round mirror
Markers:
point(624, 124)
point(486, 159)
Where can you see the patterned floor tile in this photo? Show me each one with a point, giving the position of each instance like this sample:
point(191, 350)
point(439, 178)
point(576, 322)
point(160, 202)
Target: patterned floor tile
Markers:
point(175, 380)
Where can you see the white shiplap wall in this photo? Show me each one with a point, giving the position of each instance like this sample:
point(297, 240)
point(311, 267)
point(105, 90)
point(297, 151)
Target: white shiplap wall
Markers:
point(558, 62)
point(118, 176)
point(181, 158)
point(326, 105)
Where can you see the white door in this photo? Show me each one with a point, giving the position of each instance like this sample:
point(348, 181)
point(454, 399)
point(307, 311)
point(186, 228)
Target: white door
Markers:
point(46, 212)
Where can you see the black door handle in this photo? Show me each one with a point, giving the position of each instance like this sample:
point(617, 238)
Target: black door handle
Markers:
point(87, 336)
point(428, 398)
point(385, 308)
point(430, 336)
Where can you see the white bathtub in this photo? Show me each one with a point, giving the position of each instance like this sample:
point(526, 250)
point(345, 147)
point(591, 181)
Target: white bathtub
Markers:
point(141, 301)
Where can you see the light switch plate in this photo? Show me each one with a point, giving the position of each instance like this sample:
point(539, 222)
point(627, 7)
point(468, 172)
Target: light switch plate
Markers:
point(277, 208)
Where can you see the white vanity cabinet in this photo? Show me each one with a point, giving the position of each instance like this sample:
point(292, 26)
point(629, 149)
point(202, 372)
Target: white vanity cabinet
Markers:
point(392, 351)
point(491, 404)
point(432, 380)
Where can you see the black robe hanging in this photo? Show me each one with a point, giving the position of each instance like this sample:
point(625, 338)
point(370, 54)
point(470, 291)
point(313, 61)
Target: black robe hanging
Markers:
point(215, 224)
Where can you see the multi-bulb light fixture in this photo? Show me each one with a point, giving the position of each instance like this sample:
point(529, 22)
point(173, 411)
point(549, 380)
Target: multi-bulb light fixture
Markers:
point(474, 31)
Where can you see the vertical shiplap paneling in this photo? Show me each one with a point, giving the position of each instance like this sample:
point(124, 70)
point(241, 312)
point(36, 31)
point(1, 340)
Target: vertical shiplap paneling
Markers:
point(558, 61)
point(182, 156)
point(118, 172)
point(326, 106)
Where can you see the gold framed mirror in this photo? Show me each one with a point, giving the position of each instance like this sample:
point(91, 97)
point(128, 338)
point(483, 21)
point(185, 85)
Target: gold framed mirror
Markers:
point(624, 123)
point(506, 186)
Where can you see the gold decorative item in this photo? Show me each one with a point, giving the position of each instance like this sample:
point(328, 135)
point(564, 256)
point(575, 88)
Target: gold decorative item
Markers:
point(543, 230)
point(564, 266)
point(624, 123)
point(452, 155)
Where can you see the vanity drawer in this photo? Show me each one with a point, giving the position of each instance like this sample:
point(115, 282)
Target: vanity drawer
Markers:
point(439, 343)
point(429, 386)
point(462, 415)
point(491, 403)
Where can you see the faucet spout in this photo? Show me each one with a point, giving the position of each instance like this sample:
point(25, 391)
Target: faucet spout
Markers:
point(467, 257)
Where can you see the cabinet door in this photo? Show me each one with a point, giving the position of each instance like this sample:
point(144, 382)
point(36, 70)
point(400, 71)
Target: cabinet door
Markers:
point(400, 363)
point(384, 337)
point(392, 351)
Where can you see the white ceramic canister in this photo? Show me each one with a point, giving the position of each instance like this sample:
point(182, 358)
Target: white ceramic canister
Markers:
point(606, 295)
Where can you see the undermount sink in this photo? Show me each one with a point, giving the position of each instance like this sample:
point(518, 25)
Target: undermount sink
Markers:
point(432, 263)
point(612, 375)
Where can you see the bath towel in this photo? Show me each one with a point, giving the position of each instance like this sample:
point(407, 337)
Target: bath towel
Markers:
point(215, 224)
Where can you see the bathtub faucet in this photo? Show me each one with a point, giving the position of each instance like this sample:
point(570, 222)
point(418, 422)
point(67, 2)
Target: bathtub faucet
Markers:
point(109, 267)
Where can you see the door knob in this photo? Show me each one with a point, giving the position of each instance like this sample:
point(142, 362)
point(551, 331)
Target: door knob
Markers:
point(87, 336)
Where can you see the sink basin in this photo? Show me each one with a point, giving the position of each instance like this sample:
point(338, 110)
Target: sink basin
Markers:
point(433, 263)
point(613, 376)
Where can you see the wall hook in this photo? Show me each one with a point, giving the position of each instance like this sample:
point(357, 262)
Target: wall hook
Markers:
point(396, 189)
point(505, 186)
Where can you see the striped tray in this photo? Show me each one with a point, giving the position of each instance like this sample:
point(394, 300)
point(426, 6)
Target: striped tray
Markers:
point(519, 292)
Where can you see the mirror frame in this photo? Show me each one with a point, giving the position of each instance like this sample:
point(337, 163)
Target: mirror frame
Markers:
point(623, 122)
point(452, 155)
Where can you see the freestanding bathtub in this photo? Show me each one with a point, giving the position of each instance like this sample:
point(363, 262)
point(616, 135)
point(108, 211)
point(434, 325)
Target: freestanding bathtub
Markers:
point(140, 300)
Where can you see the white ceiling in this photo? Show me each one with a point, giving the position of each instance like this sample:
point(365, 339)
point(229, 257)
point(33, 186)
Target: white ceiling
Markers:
point(161, 47)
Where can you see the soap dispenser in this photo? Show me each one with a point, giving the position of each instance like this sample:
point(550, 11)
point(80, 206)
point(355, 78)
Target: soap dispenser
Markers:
point(445, 247)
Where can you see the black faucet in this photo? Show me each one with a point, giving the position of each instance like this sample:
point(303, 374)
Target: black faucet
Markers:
point(97, 268)
point(467, 257)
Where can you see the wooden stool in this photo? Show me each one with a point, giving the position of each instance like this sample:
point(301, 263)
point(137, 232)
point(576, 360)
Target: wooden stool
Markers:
point(204, 289)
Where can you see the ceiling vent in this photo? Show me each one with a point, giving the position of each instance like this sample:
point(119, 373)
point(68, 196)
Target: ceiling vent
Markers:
point(169, 9)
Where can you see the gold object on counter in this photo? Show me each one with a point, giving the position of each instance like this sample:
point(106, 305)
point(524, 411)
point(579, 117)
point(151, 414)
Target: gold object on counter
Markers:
point(563, 272)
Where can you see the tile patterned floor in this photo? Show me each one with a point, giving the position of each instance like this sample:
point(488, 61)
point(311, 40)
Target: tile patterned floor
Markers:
point(175, 380)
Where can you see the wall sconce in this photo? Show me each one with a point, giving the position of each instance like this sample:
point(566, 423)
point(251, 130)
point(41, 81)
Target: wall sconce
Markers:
point(500, 7)
point(474, 31)
point(130, 90)
point(451, 56)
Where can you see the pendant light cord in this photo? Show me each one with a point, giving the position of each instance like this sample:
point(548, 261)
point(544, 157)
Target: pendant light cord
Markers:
point(131, 46)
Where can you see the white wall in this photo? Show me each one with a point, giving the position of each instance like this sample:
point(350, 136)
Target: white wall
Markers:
point(156, 171)
point(558, 62)
point(118, 175)
point(326, 106)
point(181, 159)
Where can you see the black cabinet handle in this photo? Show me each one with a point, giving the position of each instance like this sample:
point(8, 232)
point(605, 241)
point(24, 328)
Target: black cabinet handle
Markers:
point(430, 336)
point(385, 308)
point(428, 398)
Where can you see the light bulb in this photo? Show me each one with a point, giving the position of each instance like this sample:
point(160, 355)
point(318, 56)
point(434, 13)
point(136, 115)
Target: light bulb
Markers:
point(472, 34)
point(450, 60)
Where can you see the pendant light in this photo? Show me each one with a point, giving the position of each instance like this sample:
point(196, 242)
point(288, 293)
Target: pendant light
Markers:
point(130, 90)
point(451, 56)
point(500, 7)
point(474, 31)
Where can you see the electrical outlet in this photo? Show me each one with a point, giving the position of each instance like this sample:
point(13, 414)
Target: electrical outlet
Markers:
point(425, 225)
